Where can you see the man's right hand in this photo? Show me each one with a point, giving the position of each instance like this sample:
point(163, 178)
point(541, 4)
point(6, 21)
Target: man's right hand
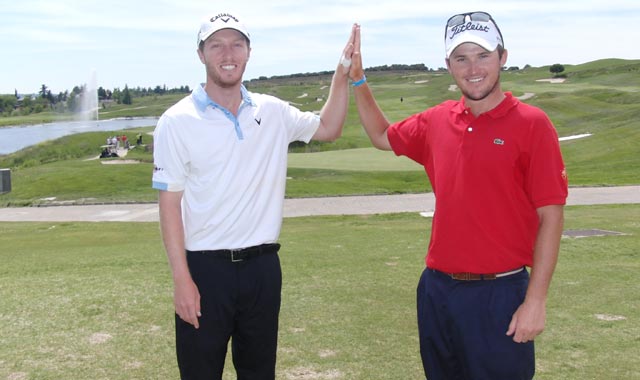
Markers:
point(186, 299)
point(356, 72)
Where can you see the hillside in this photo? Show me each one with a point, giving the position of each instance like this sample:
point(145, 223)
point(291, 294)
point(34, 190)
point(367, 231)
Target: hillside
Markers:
point(600, 98)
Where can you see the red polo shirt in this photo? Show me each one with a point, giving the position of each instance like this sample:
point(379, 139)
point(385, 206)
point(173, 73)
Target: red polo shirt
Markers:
point(489, 174)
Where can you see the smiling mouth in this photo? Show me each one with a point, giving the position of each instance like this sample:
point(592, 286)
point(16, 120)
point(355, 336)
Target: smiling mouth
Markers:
point(476, 80)
point(228, 67)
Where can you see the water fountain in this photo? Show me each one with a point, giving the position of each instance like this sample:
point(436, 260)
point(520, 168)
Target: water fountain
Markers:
point(14, 138)
point(88, 111)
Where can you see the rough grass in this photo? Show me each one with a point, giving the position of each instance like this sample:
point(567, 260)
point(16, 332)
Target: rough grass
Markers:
point(94, 300)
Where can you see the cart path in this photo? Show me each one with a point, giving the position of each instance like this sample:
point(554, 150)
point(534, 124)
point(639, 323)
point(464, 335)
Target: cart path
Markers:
point(347, 205)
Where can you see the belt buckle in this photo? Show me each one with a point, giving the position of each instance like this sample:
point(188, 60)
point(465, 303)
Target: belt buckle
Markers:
point(233, 258)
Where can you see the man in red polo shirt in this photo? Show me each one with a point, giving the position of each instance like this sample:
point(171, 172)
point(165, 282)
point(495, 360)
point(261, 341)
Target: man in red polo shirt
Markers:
point(500, 184)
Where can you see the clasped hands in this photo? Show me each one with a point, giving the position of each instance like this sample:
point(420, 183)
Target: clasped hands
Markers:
point(351, 59)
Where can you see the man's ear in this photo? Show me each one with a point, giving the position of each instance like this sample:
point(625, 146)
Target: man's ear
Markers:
point(200, 55)
point(503, 59)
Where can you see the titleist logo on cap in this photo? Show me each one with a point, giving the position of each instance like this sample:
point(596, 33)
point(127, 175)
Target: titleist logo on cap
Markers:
point(468, 26)
point(224, 16)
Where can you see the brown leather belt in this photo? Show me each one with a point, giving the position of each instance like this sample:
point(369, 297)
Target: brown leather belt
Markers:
point(465, 276)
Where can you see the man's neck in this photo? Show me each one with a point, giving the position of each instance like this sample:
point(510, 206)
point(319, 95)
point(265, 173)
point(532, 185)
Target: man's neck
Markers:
point(479, 107)
point(228, 97)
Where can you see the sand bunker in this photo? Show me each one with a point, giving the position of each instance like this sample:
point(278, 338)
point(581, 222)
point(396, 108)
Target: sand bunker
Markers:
point(526, 95)
point(552, 80)
point(574, 137)
point(119, 162)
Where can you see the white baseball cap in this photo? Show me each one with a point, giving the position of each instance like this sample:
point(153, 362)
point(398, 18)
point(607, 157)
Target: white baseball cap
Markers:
point(220, 21)
point(476, 27)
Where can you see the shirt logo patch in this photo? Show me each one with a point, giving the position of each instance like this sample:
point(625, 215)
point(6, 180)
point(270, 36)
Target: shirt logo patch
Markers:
point(258, 121)
point(498, 141)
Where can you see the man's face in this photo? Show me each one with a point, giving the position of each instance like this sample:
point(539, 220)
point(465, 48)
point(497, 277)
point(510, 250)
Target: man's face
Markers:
point(476, 70)
point(225, 55)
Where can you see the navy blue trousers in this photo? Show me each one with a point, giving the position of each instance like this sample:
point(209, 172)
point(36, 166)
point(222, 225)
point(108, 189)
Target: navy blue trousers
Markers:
point(463, 324)
point(239, 302)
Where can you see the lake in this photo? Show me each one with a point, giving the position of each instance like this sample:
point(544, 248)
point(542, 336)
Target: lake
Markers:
point(15, 138)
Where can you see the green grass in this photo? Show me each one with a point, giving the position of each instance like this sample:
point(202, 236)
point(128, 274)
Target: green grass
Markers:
point(361, 159)
point(317, 183)
point(599, 97)
point(94, 300)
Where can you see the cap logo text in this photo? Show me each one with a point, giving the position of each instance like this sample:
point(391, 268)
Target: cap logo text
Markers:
point(225, 17)
point(468, 26)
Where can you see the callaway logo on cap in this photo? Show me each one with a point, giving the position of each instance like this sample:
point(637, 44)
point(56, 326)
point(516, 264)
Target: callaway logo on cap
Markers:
point(220, 21)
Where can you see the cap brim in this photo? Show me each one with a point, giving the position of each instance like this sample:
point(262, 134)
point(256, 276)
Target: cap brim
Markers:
point(482, 42)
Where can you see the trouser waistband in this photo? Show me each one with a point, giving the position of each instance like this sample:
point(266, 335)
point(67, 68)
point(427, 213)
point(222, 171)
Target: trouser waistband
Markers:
point(467, 276)
point(241, 254)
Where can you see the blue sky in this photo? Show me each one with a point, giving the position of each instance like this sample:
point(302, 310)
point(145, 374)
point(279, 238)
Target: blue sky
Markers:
point(149, 43)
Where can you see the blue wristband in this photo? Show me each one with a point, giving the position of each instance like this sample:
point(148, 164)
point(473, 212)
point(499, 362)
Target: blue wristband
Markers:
point(360, 82)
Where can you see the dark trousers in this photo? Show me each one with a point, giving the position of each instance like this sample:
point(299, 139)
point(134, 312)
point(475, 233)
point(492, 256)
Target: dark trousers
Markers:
point(239, 301)
point(463, 324)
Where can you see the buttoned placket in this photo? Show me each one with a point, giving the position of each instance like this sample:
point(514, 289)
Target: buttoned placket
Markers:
point(246, 101)
point(469, 119)
point(232, 117)
point(467, 142)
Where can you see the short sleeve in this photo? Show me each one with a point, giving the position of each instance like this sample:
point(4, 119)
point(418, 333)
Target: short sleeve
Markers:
point(547, 182)
point(408, 137)
point(169, 158)
point(301, 126)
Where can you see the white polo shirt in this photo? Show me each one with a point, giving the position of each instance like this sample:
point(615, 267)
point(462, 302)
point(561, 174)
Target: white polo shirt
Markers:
point(232, 170)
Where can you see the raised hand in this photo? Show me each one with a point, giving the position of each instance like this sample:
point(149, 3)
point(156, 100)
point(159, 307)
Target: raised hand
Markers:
point(347, 53)
point(356, 72)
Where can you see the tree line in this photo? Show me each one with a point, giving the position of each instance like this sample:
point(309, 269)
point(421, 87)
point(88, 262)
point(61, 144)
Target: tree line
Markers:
point(66, 101)
point(71, 101)
point(383, 68)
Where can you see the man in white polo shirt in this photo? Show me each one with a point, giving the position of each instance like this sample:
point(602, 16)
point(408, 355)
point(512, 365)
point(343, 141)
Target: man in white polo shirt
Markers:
point(220, 157)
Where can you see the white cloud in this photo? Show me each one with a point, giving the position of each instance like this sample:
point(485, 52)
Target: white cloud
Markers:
point(151, 43)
